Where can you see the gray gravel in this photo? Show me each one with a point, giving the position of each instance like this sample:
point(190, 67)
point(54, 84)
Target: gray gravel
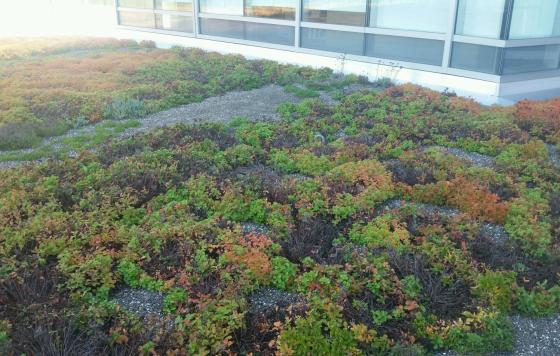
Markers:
point(494, 232)
point(554, 156)
point(473, 158)
point(538, 337)
point(249, 228)
point(140, 302)
point(426, 209)
point(266, 300)
point(255, 105)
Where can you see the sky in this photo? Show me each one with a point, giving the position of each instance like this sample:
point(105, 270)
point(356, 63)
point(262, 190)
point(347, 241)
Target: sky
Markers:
point(32, 18)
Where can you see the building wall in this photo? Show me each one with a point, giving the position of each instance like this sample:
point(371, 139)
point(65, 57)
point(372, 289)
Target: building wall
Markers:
point(483, 46)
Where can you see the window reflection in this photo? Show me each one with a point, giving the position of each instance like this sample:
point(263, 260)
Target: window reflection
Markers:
point(137, 4)
point(531, 59)
point(224, 7)
point(535, 18)
point(414, 15)
point(480, 18)
point(276, 9)
point(350, 12)
point(175, 5)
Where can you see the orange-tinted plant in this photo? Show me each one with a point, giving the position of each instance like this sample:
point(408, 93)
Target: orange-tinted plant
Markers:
point(541, 118)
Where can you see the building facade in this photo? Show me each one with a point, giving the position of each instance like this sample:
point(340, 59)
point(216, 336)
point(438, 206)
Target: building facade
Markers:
point(493, 47)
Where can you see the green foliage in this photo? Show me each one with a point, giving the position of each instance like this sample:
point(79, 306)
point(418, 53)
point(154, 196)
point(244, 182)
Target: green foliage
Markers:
point(321, 332)
point(301, 92)
point(210, 330)
point(539, 302)
point(172, 299)
point(135, 277)
point(283, 272)
point(4, 335)
point(412, 287)
point(497, 288)
point(125, 109)
point(527, 224)
point(383, 231)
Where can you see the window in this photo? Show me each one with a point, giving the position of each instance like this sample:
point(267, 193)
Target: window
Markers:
point(333, 41)
point(174, 22)
point(535, 18)
point(339, 12)
point(136, 19)
point(276, 9)
point(222, 28)
point(175, 5)
point(531, 59)
point(414, 15)
point(476, 58)
point(284, 35)
point(406, 49)
point(137, 4)
point(480, 18)
point(224, 7)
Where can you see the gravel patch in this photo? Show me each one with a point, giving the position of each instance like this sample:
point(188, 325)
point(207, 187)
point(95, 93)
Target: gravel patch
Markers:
point(536, 336)
point(297, 177)
point(426, 209)
point(140, 302)
point(268, 300)
point(357, 87)
point(249, 228)
point(473, 158)
point(539, 337)
point(255, 105)
point(554, 156)
point(327, 98)
point(493, 232)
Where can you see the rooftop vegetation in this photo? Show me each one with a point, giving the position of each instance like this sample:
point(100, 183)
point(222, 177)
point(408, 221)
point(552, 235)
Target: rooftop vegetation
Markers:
point(339, 230)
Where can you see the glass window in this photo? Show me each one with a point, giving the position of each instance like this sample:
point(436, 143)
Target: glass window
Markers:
point(276, 9)
point(531, 59)
point(175, 5)
point(283, 35)
point(406, 49)
point(347, 12)
point(138, 4)
point(224, 7)
point(414, 15)
point(222, 28)
point(535, 18)
point(174, 22)
point(480, 18)
point(332, 41)
point(136, 19)
point(477, 58)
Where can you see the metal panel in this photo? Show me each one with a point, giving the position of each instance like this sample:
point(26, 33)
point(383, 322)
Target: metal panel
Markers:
point(196, 11)
point(479, 41)
point(247, 19)
point(533, 42)
point(450, 32)
point(297, 39)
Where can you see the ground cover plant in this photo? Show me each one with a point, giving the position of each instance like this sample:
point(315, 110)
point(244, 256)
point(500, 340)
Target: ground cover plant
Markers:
point(349, 229)
point(53, 86)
